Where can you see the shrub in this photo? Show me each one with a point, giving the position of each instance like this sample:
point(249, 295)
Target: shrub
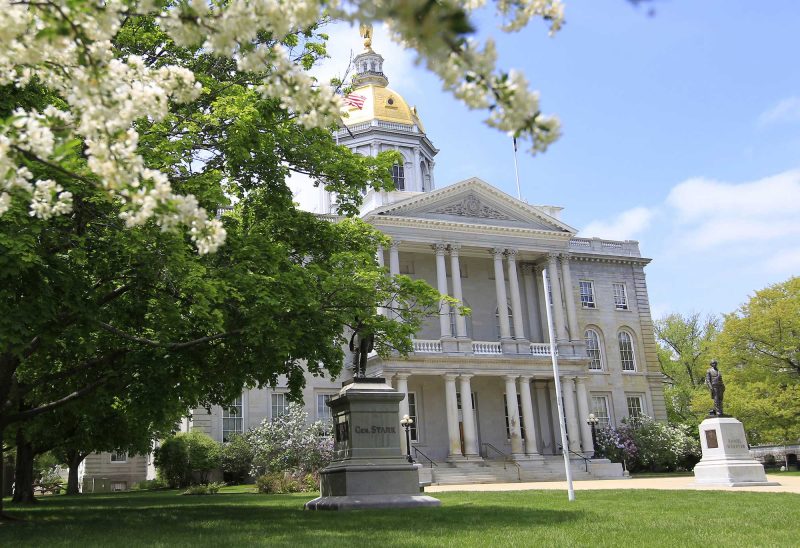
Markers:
point(286, 482)
point(204, 489)
point(289, 443)
point(647, 445)
point(185, 453)
point(236, 459)
point(145, 485)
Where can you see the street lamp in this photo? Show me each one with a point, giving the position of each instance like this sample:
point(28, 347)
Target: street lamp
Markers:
point(592, 422)
point(406, 423)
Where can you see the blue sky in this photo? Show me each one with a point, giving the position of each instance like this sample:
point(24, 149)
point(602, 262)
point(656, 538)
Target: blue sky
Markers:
point(681, 130)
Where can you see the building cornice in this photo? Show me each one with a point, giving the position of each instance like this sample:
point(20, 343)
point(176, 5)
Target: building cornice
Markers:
point(454, 226)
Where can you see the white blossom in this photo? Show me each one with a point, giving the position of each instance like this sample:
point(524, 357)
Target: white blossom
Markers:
point(106, 95)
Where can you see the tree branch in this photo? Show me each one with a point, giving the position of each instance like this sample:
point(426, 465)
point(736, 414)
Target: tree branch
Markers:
point(170, 345)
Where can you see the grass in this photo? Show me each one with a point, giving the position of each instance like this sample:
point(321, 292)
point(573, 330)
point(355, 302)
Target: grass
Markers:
point(519, 518)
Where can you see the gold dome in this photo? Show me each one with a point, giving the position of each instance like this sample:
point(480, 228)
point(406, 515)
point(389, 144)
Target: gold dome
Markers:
point(381, 103)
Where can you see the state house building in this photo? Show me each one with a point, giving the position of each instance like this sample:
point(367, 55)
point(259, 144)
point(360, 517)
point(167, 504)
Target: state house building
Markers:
point(480, 388)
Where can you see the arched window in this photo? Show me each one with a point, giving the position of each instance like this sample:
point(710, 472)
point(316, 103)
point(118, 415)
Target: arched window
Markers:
point(594, 350)
point(399, 177)
point(467, 321)
point(510, 322)
point(626, 354)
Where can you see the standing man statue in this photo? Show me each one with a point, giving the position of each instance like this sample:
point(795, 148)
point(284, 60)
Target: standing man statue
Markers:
point(716, 386)
point(361, 345)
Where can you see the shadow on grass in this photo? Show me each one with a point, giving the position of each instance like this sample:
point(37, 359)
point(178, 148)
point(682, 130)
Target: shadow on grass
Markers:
point(167, 518)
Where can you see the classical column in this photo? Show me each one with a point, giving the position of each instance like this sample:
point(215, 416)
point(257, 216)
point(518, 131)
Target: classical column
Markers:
point(545, 422)
point(451, 404)
point(402, 387)
point(583, 414)
point(555, 291)
point(569, 297)
point(512, 409)
point(388, 375)
point(540, 290)
point(573, 429)
point(532, 300)
point(441, 285)
point(516, 300)
point(500, 288)
point(394, 270)
point(527, 415)
point(468, 418)
point(417, 171)
point(455, 273)
point(381, 263)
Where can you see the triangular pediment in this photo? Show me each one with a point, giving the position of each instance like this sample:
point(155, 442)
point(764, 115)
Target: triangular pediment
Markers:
point(474, 202)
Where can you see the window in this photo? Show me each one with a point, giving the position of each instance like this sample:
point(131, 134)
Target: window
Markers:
point(119, 456)
point(620, 297)
point(635, 407)
point(232, 419)
point(593, 349)
point(323, 411)
point(626, 354)
point(600, 409)
point(117, 486)
point(519, 416)
point(587, 294)
point(510, 322)
point(279, 405)
point(412, 413)
point(399, 177)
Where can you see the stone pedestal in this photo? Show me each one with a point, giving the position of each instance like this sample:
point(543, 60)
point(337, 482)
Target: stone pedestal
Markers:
point(726, 458)
point(369, 470)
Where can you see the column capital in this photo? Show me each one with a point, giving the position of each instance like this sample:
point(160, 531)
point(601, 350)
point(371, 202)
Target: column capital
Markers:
point(454, 249)
point(511, 255)
point(526, 378)
point(450, 376)
point(465, 376)
point(395, 244)
point(402, 376)
point(511, 378)
point(498, 252)
point(440, 248)
point(580, 380)
point(553, 256)
point(527, 267)
point(565, 256)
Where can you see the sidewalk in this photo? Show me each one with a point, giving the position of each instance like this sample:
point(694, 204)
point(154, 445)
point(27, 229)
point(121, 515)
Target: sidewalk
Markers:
point(788, 484)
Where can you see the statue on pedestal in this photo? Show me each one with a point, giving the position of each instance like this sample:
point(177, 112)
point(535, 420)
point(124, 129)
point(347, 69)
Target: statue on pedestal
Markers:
point(716, 386)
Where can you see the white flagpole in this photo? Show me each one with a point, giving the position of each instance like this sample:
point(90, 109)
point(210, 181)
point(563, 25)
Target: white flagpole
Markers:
point(516, 169)
point(557, 378)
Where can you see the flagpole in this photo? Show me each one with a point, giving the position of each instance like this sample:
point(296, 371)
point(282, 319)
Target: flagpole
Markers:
point(557, 379)
point(516, 169)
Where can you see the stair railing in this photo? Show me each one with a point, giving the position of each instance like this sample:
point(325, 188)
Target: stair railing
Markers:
point(585, 459)
point(418, 453)
point(506, 458)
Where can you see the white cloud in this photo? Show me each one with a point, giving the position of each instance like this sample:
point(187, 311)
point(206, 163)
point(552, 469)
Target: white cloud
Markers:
point(709, 213)
point(623, 227)
point(344, 40)
point(785, 111)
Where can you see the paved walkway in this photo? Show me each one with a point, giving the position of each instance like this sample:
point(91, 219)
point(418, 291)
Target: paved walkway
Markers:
point(788, 484)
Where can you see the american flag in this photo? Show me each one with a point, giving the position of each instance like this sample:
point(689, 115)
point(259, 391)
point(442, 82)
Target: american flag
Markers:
point(355, 100)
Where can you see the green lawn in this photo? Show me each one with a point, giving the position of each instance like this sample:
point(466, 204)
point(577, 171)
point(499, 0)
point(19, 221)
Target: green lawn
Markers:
point(519, 518)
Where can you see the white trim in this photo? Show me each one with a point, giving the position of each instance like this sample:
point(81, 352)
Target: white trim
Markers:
point(632, 340)
point(626, 305)
point(593, 295)
point(600, 347)
point(642, 403)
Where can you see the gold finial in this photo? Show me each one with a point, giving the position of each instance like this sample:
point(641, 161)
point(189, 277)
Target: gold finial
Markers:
point(366, 34)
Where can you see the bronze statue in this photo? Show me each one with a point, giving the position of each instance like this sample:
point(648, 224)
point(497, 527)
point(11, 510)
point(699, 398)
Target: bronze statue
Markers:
point(361, 346)
point(716, 386)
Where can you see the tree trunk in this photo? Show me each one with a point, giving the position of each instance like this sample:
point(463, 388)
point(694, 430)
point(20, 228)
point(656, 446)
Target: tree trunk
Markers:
point(23, 476)
point(74, 459)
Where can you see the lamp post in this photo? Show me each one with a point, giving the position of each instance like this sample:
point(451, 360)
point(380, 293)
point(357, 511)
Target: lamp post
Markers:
point(592, 422)
point(406, 423)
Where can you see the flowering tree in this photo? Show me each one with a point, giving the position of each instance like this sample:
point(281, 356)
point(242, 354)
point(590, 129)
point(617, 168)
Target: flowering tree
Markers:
point(290, 443)
point(104, 92)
